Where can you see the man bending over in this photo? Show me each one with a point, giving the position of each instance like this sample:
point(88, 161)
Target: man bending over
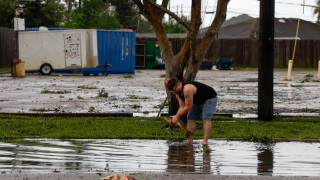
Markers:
point(196, 99)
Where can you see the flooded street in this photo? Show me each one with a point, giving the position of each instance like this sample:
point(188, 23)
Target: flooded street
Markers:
point(144, 93)
point(219, 158)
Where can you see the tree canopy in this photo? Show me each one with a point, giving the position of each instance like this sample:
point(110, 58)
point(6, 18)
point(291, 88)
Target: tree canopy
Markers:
point(101, 14)
point(93, 14)
point(49, 13)
point(7, 12)
point(173, 26)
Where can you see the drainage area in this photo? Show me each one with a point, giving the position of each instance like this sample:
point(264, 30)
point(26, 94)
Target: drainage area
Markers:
point(220, 157)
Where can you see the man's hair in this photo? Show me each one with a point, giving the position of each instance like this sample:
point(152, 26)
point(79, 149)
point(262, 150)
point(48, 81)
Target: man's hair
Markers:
point(172, 82)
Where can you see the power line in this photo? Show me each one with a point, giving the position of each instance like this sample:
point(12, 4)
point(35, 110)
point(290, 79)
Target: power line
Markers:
point(281, 9)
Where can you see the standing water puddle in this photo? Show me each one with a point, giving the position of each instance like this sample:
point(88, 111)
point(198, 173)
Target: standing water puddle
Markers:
point(222, 157)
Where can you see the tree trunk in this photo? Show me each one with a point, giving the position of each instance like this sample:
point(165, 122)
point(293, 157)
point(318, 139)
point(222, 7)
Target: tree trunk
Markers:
point(191, 54)
point(207, 40)
point(69, 5)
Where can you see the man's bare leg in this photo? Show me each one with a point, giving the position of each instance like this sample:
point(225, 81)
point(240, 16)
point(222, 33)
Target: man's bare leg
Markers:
point(191, 126)
point(206, 131)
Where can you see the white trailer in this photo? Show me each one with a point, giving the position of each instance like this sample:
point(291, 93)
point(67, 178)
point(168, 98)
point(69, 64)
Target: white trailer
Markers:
point(63, 49)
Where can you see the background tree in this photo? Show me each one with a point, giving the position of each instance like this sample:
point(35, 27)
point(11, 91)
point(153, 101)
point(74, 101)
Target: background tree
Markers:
point(69, 4)
point(7, 13)
point(126, 13)
point(144, 26)
point(75, 14)
point(317, 12)
point(48, 13)
point(93, 14)
point(186, 63)
point(173, 26)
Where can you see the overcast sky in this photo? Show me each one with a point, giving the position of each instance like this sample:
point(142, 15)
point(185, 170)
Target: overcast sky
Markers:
point(283, 8)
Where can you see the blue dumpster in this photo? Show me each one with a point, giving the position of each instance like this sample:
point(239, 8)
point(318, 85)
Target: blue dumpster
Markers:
point(225, 63)
point(207, 64)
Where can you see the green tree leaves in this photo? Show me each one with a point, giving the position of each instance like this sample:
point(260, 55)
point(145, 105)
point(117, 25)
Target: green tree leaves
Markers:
point(49, 13)
point(99, 14)
point(7, 12)
point(93, 14)
point(174, 27)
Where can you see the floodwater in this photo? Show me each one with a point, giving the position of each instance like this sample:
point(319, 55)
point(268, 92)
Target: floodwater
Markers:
point(221, 157)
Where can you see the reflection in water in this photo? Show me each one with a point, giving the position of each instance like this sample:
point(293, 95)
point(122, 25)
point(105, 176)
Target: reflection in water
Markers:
point(220, 157)
point(206, 159)
point(265, 159)
point(183, 158)
point(290, 91)
point(79, 149)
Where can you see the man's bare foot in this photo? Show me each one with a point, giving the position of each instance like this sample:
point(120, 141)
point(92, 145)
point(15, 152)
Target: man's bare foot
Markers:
point(204, 142)
point(188, 141)
point(206, 148)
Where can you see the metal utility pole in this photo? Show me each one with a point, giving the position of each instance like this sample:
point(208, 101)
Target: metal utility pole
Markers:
point(266, 62)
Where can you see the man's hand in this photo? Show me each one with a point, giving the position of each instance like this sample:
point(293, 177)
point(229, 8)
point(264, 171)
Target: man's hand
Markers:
point(174, 120)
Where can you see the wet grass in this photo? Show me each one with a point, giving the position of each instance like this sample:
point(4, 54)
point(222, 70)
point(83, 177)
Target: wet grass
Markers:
point(5, 69)
point(103, 93)
point(309, 78)
point(154, 128)
point(128, 76)
point(45, 91)
point(45, 110)
point(87, 87)
point(137, 97)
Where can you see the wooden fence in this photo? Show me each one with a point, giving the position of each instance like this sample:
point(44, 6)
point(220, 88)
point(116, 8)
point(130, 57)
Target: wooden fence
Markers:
point(245, 52)
point(8, 46)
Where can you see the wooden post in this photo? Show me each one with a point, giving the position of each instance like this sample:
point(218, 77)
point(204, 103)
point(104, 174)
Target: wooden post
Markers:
point(266, 62)
point(289, 70)
point(293, 53)
point(319, 70)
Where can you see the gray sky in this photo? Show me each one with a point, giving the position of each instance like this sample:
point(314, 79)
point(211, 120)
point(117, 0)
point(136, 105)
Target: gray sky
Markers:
point(283, 8)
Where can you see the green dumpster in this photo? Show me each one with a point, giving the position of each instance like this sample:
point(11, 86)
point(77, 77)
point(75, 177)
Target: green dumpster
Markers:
point(153, 58)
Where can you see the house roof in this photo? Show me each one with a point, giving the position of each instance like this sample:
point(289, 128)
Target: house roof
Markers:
point(245, 26)
point(285, 28)
point(233, 20)
point(236, 19)
point(153, 35)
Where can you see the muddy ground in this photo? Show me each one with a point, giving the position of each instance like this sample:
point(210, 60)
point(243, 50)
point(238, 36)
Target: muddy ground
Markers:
point(143, 93)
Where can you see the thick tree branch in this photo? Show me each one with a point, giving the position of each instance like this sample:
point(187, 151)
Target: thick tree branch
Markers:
point(140, 6)
point(189, 46)
point(210, 35)
point(219, 18)
point(165, 3)
point(173, 15)
point(206, 42)
point(195, 23)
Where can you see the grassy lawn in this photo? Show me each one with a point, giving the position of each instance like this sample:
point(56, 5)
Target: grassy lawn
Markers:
point(153, 128)
point(5, 69)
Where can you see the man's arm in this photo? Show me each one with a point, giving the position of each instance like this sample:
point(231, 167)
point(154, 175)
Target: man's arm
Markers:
point(186, 105)
point(181, 105)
